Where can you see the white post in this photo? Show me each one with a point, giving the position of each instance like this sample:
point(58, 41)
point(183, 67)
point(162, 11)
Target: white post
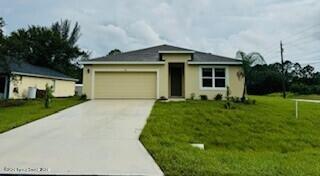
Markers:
point(297, 109)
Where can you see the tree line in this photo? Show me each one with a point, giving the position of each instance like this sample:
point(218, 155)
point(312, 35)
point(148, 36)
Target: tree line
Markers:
point(267, 78)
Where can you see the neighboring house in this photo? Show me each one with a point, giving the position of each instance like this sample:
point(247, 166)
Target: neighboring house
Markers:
point(22, 75)
point(161, 71)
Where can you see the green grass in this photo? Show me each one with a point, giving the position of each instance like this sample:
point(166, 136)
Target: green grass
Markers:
point(12, 117)
point(297, 96)
point(261, 139)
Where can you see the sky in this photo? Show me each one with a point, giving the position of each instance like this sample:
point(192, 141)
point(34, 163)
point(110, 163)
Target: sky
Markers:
point(216, 26)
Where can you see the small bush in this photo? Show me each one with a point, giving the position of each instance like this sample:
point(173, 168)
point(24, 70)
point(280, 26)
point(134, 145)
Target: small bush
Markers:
point(48, 96)
point(203, 97)
point(163, 98)
point(218, 97)
point(192, 96)
point(229, 105)
point(83, 97)
point(236, 99)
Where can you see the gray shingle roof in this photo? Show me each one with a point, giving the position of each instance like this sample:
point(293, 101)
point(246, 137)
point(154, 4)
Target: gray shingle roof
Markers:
point(152, 55)
point(32, 70)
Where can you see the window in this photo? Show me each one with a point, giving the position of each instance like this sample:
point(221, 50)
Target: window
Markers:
point(220, 77)
point(207, 77)
point(213, 77)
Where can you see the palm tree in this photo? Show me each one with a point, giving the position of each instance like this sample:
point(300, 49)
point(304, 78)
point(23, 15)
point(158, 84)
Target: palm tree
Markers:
point(248, 61)
point(63, 29)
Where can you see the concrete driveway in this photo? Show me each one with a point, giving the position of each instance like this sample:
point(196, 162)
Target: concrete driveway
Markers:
point(99, 137)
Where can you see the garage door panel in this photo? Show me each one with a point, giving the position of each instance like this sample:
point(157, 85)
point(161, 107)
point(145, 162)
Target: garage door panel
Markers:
point(125, 85)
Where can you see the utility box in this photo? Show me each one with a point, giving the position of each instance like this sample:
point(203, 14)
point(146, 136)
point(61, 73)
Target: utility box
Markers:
point(32, 91)
point(79, 89)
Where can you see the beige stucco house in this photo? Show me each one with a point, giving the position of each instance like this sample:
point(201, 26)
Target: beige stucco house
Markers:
point(161, 71)
point(15, 83)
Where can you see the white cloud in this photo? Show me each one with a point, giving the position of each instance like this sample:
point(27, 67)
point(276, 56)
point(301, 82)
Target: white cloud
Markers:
point(220, 27)
point(143, 32)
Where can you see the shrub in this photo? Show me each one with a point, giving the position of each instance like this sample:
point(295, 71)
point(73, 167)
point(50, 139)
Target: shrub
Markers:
point(192, 96)
point(235, 99)
point(218, 97)
point(203, 97)
point(48, 96)
point(229, 105)
point(163, 98)
point(83, 97)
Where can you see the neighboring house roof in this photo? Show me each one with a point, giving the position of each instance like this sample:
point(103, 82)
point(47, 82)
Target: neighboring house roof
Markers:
point(23, 68)
point(152, 54)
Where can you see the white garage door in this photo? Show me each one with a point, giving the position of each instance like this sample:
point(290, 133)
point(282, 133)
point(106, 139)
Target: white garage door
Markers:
point(125, 85)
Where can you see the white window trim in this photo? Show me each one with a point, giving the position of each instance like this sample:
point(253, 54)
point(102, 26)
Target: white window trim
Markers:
point(213, 78)
point(125, 70)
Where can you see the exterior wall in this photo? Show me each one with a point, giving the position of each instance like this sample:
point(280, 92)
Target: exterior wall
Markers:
point(178, 58)
point(192, 78)
point(191, 72)
point(62, 88)
point(193, 82)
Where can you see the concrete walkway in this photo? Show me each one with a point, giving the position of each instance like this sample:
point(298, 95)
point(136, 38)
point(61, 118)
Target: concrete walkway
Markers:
point(98, 137)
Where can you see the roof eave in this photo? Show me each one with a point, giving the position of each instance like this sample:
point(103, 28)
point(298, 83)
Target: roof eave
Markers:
point(214, 63)
point(45, 76)
point(121, 62)
point(176, 52)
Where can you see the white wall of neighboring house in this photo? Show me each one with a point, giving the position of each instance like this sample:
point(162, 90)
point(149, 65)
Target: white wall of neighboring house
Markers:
point(19, 85)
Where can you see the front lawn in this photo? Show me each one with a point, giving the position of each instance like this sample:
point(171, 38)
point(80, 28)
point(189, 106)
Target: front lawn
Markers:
point(14, 116)
point(297, 96)
point(261, 139)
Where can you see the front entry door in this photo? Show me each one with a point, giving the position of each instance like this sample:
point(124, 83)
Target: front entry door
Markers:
point(176, 79)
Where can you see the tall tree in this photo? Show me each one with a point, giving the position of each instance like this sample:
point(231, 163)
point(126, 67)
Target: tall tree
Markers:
point(63, 28)
point(248, 60)
point(114, 52)
point(4, 59)
point(296, 72)
point(2, 23)
point(264, 79)
point(54, 47)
